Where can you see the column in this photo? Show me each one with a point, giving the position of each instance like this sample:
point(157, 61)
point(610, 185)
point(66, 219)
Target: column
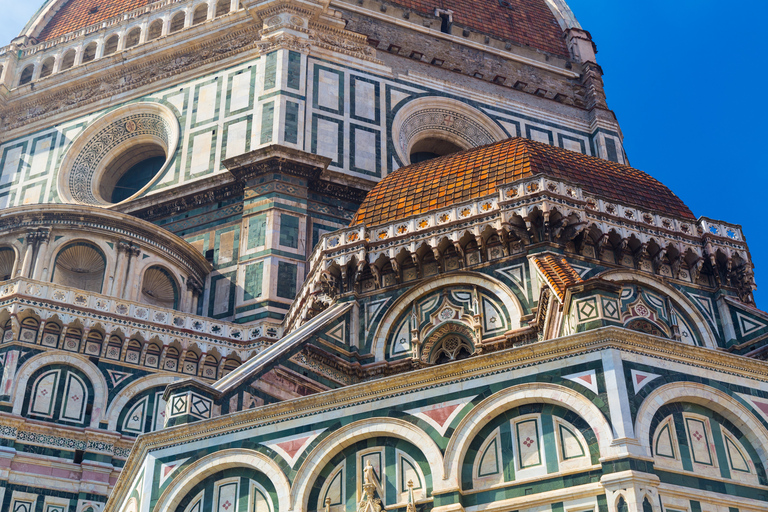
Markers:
point(131, 283)
point(118, 274)
point(43, 237)
point(29, 247)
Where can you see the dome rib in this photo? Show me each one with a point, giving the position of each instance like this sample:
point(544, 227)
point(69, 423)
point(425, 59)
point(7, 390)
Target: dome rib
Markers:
point(478, 172)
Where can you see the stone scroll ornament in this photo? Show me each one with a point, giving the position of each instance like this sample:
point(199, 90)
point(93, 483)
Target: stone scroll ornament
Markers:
point(444, 120)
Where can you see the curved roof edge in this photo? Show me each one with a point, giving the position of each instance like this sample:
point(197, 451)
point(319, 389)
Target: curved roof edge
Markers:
point(40, 19)
point(563, 14)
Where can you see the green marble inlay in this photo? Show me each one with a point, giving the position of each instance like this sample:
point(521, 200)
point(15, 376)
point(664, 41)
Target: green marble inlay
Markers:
point(286, 280)
point(289, 231)
point(253, 281)
point(291, 122)
point(257, 230)
point(270, 70)
point(267, 122)
point(294, 70)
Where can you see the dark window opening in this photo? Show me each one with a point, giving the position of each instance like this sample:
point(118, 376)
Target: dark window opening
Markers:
point(427, 149)
point(445, 23)
point(136, 178)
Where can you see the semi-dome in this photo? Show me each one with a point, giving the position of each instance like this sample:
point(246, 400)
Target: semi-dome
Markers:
point(478, 172)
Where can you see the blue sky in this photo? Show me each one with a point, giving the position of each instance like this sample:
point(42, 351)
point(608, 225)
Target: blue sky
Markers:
point(685, 79)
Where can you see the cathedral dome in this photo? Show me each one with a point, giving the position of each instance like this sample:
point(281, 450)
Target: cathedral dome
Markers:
point(478, 172)
point(59, 17)
point(535, 23)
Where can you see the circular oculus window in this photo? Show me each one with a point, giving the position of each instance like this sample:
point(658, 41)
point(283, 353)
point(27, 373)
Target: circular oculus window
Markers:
point(120, 155)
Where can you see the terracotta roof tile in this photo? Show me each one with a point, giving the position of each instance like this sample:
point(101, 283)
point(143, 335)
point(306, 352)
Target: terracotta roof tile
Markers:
point(77, 14)
point(526, 22)
point(478, 172)
point(558, 273)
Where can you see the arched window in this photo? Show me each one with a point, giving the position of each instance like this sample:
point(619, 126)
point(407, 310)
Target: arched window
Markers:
point(153, 356)
point(68, 60)
point(51, 335)
point(229, 365)
point(80, 265)
point(451, 348)
point(200, 14)
point(210, 367)
point(114, 347)
point(132, 39)
point(89, 53)
point(94, 343)
point(155, 30)
point(29, 328)
point(26, 75)
point(222, 7)
point(110, 46)
point(7, 260)
point(47, 68)
point(158, 288)
point(190, 363)
point(177, 22)
point(72, 339)
point(144, 412)
point(133, 354)
point(171, 360)
point(62, 395)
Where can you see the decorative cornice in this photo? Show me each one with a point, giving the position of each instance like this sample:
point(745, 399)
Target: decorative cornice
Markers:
point(127, 78)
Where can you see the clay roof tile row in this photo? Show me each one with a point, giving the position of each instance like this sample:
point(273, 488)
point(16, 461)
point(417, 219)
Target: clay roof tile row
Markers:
point(526, 22)
point(558, 273)
point(478, 172)
point(77, 14)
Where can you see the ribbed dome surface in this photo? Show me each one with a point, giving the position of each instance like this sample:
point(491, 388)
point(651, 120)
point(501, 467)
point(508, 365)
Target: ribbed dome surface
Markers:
point(479, 171)
point(526, 22)
point(77, 14)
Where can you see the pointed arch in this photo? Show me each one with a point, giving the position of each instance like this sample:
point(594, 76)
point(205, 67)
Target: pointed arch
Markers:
point(516, 396)
point(218, 461)
point(131, 390)
point(710, 398)
point(81, 363)
point(700, 323)
point(495, 286)
point(359, 430)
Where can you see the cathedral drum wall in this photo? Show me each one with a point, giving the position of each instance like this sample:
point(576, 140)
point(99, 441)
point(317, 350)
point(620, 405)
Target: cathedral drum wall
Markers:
point(353, 255)
point(620, 426)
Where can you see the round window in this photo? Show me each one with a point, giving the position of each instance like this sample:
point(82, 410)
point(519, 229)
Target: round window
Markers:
point(119, 156)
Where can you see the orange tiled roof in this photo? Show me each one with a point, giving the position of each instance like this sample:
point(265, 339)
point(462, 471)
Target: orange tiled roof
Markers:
point(527, 22)
point(558, 273)
point(77, 14)
point(479, 171)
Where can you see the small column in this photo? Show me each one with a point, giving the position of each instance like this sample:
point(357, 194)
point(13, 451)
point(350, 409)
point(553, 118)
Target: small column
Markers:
point(62, 337)
point(194, 288)
point(29, 248)
point(43, 237)
point(118, 274)
point(131, 283)
point(9, 372)
point(84, 341)
point(40, 332)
